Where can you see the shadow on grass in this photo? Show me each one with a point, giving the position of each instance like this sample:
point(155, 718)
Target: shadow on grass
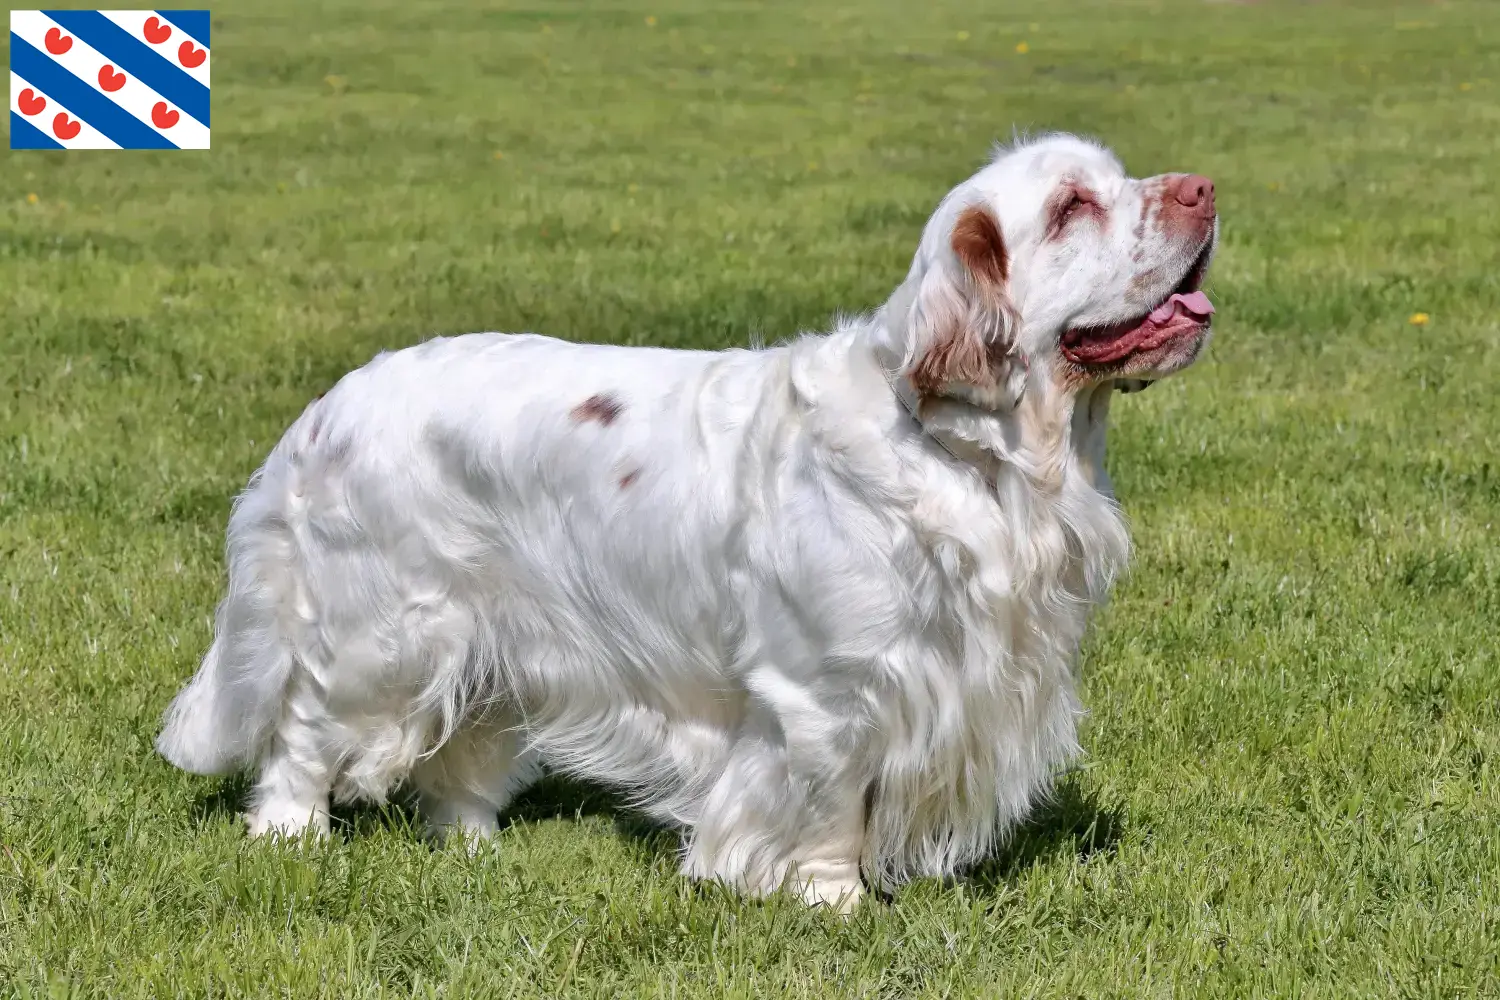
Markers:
point(1071, 823)
point(556, 797)
point(551, 798)
point(227, 798)
point(231, 797)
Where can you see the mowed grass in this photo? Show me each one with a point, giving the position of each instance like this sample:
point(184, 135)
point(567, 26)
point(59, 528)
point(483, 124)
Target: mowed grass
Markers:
point(1292, 784)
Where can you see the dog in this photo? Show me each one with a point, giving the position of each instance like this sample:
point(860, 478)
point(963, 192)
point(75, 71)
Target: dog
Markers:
point(816, 605)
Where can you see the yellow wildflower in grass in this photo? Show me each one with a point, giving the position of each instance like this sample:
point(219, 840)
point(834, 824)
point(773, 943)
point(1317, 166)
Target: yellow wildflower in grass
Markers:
point(1419, 319)
point(1465, 86)
point(31, 199)
point(650, 20)
point(1022, 48)
point(499, 155)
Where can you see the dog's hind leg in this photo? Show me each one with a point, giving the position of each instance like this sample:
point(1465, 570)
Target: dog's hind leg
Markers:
point(291, 793)
point(462, 786)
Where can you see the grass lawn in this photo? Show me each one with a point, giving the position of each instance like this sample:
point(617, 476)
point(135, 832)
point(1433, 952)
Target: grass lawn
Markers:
point(1292, 785)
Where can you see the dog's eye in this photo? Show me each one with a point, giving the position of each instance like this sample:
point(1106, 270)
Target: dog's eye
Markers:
point(1078, 202)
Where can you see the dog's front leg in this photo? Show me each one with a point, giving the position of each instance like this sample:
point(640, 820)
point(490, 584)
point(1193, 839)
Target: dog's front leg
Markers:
point(788, 810)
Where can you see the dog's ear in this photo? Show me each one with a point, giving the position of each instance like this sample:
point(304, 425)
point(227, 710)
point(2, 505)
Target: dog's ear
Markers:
point(962, 324)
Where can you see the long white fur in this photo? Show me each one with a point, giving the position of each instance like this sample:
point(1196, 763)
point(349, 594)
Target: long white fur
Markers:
point(760, 596)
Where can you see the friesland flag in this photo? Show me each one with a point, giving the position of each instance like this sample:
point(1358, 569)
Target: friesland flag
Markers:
point(109, 79)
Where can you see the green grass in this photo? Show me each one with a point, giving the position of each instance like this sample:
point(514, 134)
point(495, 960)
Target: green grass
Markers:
point(1293, 773)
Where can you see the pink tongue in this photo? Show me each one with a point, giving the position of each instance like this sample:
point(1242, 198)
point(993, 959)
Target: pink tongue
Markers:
point(1193, 303)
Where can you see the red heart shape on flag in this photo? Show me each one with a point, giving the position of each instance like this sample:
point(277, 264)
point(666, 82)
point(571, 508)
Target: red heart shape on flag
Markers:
point(190, 57)
point(57, 43)
point(31, 102)
point(155, 31)
point(161, 117)
point(109, 79)
point(64, 129)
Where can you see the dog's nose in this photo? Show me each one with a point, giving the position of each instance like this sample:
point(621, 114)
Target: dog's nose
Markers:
point(1196, 192)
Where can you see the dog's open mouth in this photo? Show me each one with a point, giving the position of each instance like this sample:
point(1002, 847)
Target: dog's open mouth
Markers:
point(1186, 311)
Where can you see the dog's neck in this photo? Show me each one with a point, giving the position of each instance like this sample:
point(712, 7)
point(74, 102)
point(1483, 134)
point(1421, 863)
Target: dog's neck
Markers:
point(1051, 426)
point(1043, 461)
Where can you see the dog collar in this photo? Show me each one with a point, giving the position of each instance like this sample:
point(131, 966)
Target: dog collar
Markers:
point(900, 390)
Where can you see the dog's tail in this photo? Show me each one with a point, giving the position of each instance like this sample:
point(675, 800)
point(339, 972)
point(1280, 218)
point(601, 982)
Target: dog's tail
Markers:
point(222, 719)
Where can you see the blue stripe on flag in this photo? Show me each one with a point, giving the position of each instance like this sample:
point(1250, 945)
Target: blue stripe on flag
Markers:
point(136, 58)
point(81, 99)
point(193, 22)
point(24, 135)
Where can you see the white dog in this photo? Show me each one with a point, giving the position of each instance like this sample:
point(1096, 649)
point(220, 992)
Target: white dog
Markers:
point(817, 605)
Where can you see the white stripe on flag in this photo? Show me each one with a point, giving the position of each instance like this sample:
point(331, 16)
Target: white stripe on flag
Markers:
point(134, 24)
point(88, 137)
point(85, 62)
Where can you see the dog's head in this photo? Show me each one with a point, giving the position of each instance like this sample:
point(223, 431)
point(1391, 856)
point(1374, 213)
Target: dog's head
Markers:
point(1052, 263)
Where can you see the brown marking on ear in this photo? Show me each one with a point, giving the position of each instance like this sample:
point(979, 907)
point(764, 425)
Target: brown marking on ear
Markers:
point(600, 408)
point(629, 478)
point(980, 247)
point(965, 318)
point(957, 357)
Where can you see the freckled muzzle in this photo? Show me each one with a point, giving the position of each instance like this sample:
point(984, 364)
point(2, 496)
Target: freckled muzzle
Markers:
point(1185, 312)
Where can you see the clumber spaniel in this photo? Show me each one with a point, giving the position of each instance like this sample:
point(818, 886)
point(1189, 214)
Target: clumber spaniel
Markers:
point(817, 605)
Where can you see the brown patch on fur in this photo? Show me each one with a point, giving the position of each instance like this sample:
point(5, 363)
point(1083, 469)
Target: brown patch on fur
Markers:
point(957, 357)
point(980, 247)
point(1152, 193)
point(963, 345)
point(600, 408)
point(629, 478)
point(1138, 233)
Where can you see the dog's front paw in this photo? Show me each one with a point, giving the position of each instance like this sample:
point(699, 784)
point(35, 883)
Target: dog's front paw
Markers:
point(836, 886)
point(840, 895)
point(288, 820)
